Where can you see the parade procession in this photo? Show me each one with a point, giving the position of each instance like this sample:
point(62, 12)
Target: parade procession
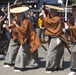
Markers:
point(38, 37)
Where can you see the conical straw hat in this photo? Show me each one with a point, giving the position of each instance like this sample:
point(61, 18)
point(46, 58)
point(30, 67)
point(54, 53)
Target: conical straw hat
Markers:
point(70, 6)
point(13, 6)
point(19, 9)
point(54, 7)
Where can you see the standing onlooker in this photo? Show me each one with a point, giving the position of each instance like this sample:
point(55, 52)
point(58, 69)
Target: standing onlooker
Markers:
point(72, 29)
point(53, 28)
point(41, 28)
point(32, 18)
point(3, 45)
point(3, 16)
point(41, 25)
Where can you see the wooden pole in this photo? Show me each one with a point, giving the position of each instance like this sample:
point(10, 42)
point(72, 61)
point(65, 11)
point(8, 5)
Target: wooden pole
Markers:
point(15, 1)
point(66, 17)
point(8, 13)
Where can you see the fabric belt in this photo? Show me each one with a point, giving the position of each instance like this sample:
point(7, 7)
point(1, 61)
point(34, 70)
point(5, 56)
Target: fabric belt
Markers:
point(54, 36)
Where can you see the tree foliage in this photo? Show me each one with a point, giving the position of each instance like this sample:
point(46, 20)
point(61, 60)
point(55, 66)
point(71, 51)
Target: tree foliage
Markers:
point(73, 1)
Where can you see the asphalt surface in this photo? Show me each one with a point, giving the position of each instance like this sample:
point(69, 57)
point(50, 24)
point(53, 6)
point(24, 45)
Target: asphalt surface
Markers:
point(41, 70)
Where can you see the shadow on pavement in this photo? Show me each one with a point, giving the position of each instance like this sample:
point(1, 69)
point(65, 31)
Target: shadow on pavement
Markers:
point(66, 64)
point(2, 58)
point(41, 63)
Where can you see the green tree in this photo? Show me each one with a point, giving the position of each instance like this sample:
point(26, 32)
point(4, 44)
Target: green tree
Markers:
point(73, 1)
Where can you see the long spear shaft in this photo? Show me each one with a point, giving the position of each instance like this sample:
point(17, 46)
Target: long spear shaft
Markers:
point(66, 11)
point(15, 1)
point(9, 11)
point(8, 14)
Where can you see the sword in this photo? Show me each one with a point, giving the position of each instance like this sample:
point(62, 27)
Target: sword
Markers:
point(65, 43)
point(44, 48)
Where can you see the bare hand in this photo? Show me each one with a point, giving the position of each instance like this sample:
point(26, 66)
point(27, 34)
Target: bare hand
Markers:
point(43, 13)
point(14, 22)
point(66, 26)
point(2, 9)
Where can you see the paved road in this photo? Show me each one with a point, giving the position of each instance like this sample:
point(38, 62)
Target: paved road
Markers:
point(41, 69)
